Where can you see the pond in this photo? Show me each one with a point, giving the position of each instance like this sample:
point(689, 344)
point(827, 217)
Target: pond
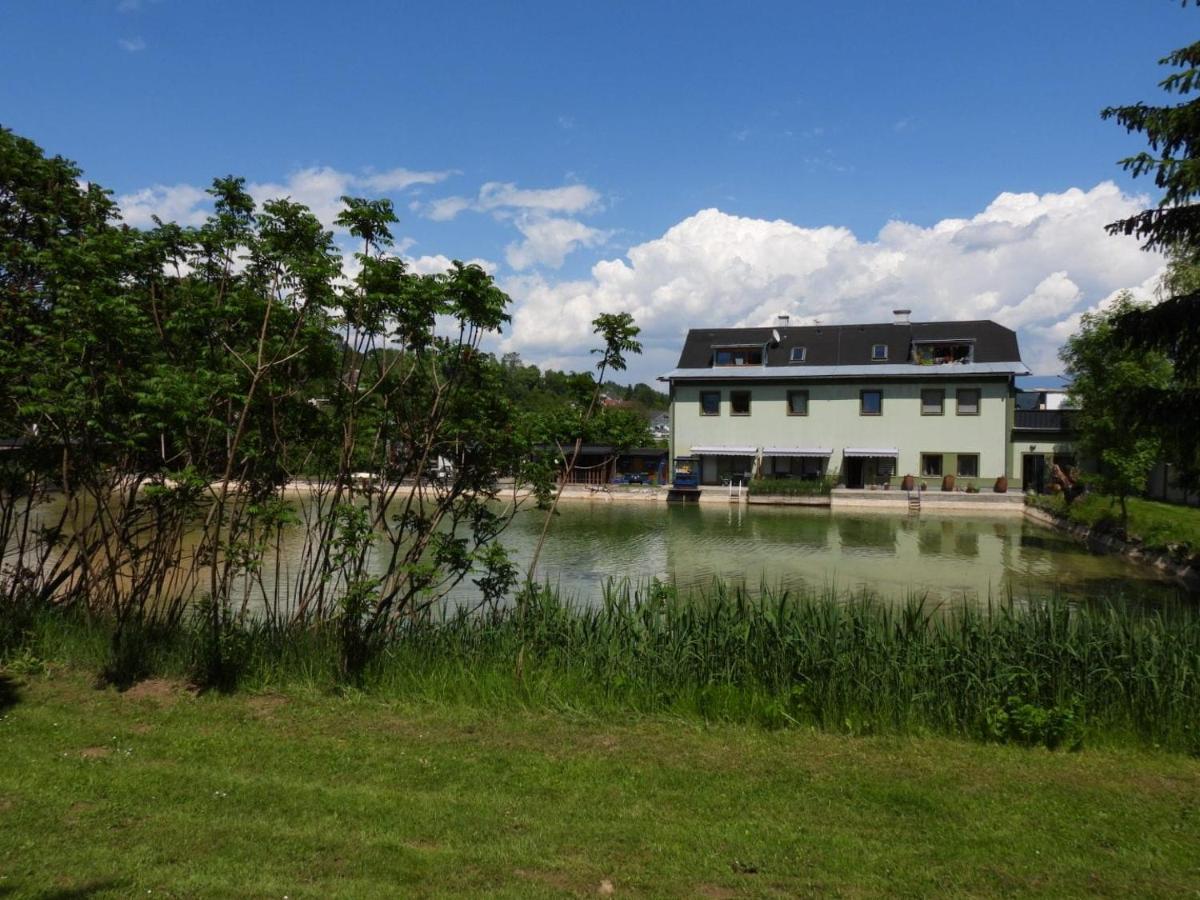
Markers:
point(946, 557)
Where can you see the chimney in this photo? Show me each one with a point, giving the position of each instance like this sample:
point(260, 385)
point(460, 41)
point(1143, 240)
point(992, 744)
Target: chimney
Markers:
point(781, 321)
point(901, 316)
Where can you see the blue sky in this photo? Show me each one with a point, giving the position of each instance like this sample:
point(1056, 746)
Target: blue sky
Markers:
point(697, 163)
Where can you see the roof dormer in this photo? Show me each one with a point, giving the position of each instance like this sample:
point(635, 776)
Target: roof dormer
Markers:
point(738, 355)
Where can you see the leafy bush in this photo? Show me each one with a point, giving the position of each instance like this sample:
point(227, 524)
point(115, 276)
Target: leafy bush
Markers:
point(1030, 724)
point(791, 487)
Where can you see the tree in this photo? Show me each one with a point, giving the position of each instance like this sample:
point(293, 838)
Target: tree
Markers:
point(176, 376)
point(1104, 371)
point(1171, 327)
point(619, 334)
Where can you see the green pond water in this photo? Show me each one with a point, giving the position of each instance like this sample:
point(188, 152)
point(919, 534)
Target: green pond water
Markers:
point(946, 557)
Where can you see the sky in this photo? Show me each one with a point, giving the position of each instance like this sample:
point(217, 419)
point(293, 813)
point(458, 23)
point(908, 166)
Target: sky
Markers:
point(698, 164)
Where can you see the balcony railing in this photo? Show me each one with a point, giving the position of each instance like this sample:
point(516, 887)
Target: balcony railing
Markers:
point(1044, 419)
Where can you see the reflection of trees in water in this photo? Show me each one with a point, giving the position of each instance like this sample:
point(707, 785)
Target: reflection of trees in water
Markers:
point(872, 535)
point(791, 529)
point(966, 542)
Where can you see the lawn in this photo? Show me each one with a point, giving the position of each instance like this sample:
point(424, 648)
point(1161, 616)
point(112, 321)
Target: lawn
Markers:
point(157, 792)
point(1158, 525)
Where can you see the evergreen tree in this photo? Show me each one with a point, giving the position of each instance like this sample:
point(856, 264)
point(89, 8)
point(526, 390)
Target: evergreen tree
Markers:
point(1172, 326)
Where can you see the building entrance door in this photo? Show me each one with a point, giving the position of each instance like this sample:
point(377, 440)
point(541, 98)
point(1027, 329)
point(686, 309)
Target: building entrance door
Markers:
point(1033, 472)
point(854, 471)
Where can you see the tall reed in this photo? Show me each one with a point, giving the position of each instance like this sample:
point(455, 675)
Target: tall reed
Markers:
point(1041, 671)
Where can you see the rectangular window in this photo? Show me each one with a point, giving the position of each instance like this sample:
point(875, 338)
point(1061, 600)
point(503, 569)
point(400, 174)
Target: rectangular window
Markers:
point(870, 403)
point(798, 354)
point(933, 401)
point(968, 465)
point(797, 403)
point(710, 403)
point(739, 403)
point(931, 465)
point(878, 352)
point(738, 356)
point(968, 401)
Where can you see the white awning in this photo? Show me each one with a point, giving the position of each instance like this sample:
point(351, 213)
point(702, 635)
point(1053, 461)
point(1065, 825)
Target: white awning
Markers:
point(724, 451)
point(797, 451)
point(871, 451)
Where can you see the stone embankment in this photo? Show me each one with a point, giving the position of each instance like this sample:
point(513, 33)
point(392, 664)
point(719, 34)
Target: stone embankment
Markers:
point(1186, 570)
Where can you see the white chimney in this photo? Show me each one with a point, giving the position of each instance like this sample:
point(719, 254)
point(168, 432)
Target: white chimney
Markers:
point(782, 320)
point(901, 316)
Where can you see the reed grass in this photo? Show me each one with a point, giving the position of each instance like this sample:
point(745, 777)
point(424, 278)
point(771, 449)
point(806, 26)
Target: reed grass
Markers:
point(1038, 672)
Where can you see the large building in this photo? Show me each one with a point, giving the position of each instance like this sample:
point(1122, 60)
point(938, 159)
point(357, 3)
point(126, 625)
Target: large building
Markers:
point(864, 404)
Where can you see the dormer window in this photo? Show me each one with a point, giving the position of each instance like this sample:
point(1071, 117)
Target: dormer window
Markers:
point(738, 356)
point(798, 354)
point(943, 353)
point(878, 352)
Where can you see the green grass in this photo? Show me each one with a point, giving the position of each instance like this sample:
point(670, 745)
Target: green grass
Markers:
point(157, 792)
point(1159, 526)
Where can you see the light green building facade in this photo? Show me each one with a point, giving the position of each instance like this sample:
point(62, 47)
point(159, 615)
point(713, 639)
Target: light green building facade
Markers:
point(835, 422)
point(864, 405)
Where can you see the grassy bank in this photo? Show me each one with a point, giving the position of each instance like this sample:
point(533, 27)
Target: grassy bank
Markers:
point(1162, 527)
point(1037, 674)
point(296, 793)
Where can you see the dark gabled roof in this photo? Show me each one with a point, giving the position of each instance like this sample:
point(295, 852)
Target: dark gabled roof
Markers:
point(850, 345)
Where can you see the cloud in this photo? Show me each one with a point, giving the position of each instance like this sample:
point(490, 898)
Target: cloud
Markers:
point(132, 44)
point(399, 179)
point(435, 264)
point(1034, 262)
point(1055, 296)
point(182, 203)
point(541, 215)
point(445, 209)
point(320, 188)
point(548, 240)
point(506, 199)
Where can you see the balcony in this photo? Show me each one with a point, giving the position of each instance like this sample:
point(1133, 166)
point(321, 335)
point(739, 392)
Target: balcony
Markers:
point(1048, 420)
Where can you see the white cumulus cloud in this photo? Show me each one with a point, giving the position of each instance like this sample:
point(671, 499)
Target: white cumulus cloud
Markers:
point(185, 204)
point(1033, 262)
point(547, 240)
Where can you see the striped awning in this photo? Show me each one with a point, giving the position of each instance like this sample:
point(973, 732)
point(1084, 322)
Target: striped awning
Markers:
point(871, 451)
point(722, 450)
point(797, 451)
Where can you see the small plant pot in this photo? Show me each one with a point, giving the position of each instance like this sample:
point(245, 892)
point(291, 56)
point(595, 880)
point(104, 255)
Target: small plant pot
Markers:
point(948, 483)
point(1001, 485)
point(907, 483)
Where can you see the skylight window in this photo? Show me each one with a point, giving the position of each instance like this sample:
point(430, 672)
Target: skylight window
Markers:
point(798, 354)
point(878, 352)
